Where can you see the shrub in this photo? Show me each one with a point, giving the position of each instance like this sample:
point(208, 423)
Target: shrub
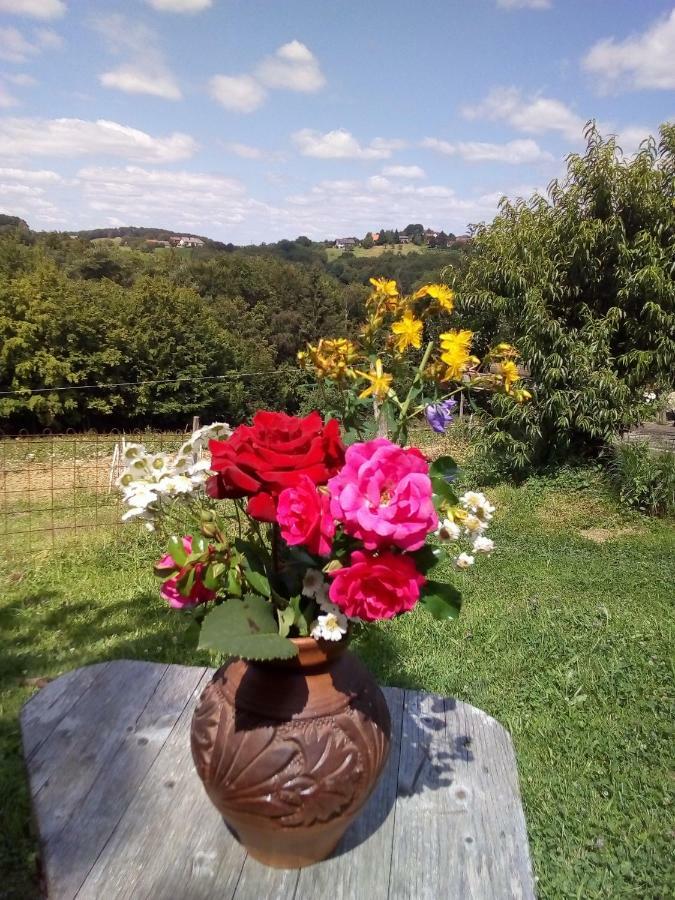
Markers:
point(644, 478)
point(583, 283)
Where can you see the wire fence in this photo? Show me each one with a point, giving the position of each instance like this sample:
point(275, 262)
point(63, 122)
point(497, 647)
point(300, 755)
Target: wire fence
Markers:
point(58, 487)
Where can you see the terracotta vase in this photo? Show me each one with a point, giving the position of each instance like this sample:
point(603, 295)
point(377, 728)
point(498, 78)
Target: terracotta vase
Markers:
point(290, 751)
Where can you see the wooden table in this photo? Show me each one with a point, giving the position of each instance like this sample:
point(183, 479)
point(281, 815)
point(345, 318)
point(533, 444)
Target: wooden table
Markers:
point(121, 813)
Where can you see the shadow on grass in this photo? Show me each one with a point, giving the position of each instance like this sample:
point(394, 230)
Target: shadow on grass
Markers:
point(79, 634)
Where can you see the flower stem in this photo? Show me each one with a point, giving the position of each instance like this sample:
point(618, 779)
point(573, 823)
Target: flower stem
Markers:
point(403, 415)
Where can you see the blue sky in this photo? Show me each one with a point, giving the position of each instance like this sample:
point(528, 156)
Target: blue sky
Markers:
point(252, 120)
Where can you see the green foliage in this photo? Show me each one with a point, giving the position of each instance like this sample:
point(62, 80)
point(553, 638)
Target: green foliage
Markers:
point(216, 333)
point(644, 478)
point(583, 283)
point(246, 628)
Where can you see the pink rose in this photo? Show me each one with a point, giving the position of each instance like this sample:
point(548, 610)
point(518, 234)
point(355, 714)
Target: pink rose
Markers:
point(376, 587)
point(169, 589)
point(304, 517)
point(382, 495)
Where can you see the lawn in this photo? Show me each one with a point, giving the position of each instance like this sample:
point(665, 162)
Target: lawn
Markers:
point(565, 637)
point(333, 252)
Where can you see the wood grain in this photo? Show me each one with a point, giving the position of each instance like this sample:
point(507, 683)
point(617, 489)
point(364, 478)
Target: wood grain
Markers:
point(122, 814)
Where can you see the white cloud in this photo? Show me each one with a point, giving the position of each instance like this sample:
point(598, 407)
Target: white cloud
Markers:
point(7, 99)
point(641, 61)
point(439, 146)
point(534, 115)
point(48, 39)
point(145, 70)
point(134, 80)
point(14, 47)
point(403, 172)
point(36, 9)
point(341, 144)
point(238, 93)
point(21, 79)
point(78, 137)
point(192, 201)
point(180, 6)
point(511, 152)
point(294, 67)
point(33, 176)
point(524, 4)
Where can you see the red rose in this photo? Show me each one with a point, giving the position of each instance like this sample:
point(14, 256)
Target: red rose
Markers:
point(376, 587)
point(304, 516)
point(275, 452)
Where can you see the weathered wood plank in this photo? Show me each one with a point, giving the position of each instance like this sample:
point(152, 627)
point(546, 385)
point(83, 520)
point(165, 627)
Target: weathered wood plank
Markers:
point(170, 843)
point(69, 854)
point(63, 769)
point(122, 813)
point(45, 709)
point(458, 819)
point(360, 865)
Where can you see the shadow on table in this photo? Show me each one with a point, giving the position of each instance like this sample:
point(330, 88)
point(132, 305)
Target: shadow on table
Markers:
point(425, 762)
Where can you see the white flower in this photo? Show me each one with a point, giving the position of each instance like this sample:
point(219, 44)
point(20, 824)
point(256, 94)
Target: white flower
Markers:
point(464, 560)
point(159, 464)
point(133, 451)
point(482, 544)
point(313, 583)
point(326, 606)
point(136, 512)
point(477, 503)
point(330, 627)
point(649, 396)
point(474, 525)
point(174, 484)
point(448, 530)
point(140, 495)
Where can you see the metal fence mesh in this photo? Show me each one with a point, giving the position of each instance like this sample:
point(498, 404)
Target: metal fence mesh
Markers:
point(57, 487)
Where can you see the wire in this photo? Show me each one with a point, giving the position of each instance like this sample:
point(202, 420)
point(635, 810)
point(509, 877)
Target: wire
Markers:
point(86, 387)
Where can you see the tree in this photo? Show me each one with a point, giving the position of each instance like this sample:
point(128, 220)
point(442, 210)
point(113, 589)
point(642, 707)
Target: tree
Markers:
point(368, 241)
point(583, 283)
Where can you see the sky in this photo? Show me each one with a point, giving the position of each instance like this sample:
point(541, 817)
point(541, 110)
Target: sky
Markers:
point(255, 120)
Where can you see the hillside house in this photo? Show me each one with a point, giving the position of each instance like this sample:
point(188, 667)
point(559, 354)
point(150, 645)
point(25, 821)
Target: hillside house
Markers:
point(404, 239)
point(347, 243)
point(430, 235)
point(190, 242)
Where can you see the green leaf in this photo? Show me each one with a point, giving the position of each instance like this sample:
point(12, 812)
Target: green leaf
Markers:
point(443, 600)
point(445, 468)
point(233, 583)
point(427, 558)
point(176, 550)
point(286, 619)
point(246, 628)
point(258, 581)
point(300, 620)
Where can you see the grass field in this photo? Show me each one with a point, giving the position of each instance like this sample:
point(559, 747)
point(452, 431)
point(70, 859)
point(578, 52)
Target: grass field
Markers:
point(333, 253)
point(565, 637)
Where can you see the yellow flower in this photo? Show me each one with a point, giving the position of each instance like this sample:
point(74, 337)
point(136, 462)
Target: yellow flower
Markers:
point(379, 382)
point(441, 293)
point(504, 350)
point(408, 331)
point(384, 287)
point(509, 372)
point(520, 395)
point(456, 346)
point(330, 358)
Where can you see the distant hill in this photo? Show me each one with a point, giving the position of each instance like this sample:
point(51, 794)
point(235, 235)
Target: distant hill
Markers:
point(137, 234)
point(9, 223)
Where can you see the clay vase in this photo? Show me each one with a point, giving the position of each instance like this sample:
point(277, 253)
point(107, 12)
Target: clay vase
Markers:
point(289, 751)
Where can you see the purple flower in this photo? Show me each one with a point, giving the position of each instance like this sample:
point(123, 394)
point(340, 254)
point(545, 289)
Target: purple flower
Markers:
point(439, 415)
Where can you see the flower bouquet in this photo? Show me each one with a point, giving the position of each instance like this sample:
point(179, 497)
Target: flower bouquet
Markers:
point(291, 541)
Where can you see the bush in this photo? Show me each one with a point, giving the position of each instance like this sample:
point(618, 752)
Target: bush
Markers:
point(583, 283)
point(644, 478)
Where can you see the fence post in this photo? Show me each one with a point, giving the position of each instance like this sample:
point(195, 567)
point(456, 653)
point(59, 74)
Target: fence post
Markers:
point(195, 423)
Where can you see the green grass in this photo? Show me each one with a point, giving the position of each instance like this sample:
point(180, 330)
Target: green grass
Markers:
point(333, 252)
point(565, 637)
